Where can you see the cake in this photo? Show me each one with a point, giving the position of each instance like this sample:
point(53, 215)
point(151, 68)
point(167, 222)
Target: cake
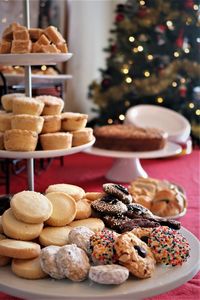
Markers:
point(129, 138)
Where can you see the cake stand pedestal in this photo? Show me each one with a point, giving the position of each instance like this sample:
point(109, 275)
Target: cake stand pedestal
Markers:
point(126, 166)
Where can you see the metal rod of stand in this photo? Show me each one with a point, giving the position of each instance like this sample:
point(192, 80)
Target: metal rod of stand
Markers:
point(28, 91)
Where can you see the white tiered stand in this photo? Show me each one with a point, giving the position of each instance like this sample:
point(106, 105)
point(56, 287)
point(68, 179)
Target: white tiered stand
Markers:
point(29, 60)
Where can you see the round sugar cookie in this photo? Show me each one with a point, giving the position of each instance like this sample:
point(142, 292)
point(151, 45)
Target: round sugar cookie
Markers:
point(19, 230)
point(94, 224)
point(4, 260)
point(64, 209)
point(57, 236)
point(31, 207)
point(75, 191)
point(84, 210)
point(19, 249)
point(28, 268)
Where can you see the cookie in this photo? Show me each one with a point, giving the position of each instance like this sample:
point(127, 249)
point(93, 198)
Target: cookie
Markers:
point(168, 246)
point(64, 209)
point(31, 207)
point(19, 230)
point(73, 262)
point(84, 210)
point(102, 250)
point(109, 274)
point(28, 268)
point(109, 205)
point(91, 196)
point(54, 236)
point(123, 224)
point(136, 210)
point(1, 227)
point(135, 255)
point(48, 262)
point(118, 191)
point(94, 224)
point(19, 249)
point(142, 233)
point(80, 236)
point(75, 191)
point(4, 260)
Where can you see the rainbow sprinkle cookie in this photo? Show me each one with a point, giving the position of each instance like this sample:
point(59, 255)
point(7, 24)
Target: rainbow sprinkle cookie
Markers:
point(168, 246)
point(102, 247)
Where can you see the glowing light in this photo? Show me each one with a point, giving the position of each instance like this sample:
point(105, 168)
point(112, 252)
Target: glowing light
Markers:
point(140, 48)
point(142, 2)
point(146, 74)
point(197, 112)
point(121, 117)
point(191, 105)
point(16, 67)
point(160, 100)
point(131, 39)
point(174, 84)
point(183, 80)
point(125, 69)
point(169, 23)
point(127, 103)
point(176, 54)
point(195, 7)
point(43, 68)
point(128, 79)
point(150, 57)
point(187, 50)
point(4, 20)
point(135, 50)
point(110, 121)
point(198, 40)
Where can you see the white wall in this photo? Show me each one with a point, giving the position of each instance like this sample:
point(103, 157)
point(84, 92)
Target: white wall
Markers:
point(89, 25)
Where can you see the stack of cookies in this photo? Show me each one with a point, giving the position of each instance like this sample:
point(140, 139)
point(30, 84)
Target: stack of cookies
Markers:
point(27, 123)
point(18, 39)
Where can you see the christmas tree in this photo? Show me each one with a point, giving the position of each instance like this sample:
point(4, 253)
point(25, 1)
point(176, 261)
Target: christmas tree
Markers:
point(153, 58)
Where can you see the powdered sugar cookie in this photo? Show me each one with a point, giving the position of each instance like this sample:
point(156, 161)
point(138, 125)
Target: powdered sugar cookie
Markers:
point(109, 274)
point(48, 262)
point(80, 236)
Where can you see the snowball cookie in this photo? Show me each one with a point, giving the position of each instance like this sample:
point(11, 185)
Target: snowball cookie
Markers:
point(19, 230)
point(80, 236)
point(48, 262)
point(73, 190)
point(52, 105)
point(27, 122)
point(28, 268)
point(20, 140)
point(31, 207)
point(73, 262)
point(73, 121)
point(64, 209)
point(109, 274)
point(6, 100)
point(27, 105)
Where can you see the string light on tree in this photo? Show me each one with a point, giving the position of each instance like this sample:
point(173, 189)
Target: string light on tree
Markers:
point(43, 68)
point(159, 100)
point(140, 48)
point(131, 39)
point(110, 121)
point(170, 25)
point(135, 50)
point(146, 73)
point(121, 117)
point(176, 54)
point(195, 7)
point(128, 79)
point(191, 105)
point(142, 3)
point(197, 112)
point(150, 57)
point(174, 84)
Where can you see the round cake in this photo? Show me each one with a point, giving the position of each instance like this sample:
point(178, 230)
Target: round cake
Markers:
point(129, 138)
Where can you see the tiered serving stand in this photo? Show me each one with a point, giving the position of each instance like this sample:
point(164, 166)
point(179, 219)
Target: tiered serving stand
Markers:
point(28, 60)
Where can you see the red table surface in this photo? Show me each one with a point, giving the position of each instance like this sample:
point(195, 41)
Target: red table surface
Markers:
point(89, 173)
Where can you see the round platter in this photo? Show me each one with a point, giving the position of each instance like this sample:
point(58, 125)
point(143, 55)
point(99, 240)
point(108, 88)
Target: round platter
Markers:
point(36, 78)
point(164, 279)
point(169, 150)
point(43, 153)
point(34, 59)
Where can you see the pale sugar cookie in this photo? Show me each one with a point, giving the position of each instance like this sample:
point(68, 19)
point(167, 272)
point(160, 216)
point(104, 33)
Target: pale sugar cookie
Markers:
point(73, 190)
point(19, 249)
point(28, 268)
point(94, 224)
point(64, 209)
point(84, 210)
point(31, 207)
point(19, 230)
point(54, 236)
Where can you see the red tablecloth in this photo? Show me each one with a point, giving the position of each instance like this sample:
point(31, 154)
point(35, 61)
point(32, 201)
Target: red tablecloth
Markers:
point(88, 172)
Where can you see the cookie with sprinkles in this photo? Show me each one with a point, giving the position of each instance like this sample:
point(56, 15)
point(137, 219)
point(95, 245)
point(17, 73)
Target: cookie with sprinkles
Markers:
point(102, 250)
point(118, 191)
point(168, 246)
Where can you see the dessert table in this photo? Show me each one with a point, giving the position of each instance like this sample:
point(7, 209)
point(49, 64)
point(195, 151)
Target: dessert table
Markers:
point(88, 172)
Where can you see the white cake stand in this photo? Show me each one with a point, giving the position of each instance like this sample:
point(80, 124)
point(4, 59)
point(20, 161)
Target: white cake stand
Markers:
point(127, 166)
